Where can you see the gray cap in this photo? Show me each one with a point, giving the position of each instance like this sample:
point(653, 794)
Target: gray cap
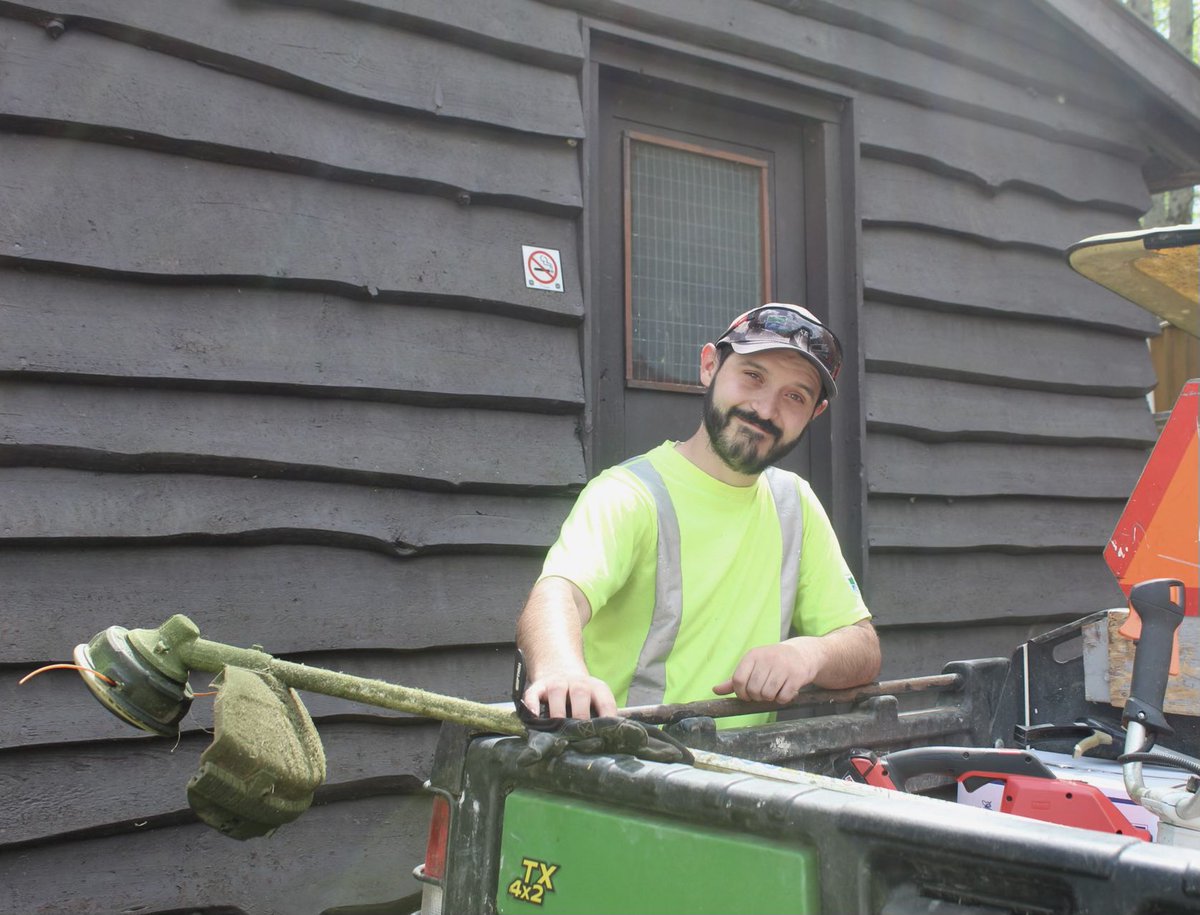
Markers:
point(778, 325)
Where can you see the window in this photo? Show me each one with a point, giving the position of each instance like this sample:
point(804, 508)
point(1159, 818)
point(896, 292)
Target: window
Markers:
point(696, 252)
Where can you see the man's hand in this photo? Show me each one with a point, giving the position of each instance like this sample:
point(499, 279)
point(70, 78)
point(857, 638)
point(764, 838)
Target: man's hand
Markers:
point(571, 696)
point(549, 632)
point(775, 673)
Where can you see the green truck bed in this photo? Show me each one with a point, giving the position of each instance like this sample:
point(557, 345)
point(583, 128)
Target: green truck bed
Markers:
point(774, 832)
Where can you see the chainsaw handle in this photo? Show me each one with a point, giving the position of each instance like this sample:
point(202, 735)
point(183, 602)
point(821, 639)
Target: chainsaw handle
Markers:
point(902, 765)
point(1159, 604)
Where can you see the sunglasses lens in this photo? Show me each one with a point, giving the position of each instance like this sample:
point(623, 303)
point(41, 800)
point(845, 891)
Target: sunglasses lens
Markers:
point(780, 322)
point(789, 326)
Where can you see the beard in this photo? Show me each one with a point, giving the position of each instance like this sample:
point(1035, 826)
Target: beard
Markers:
point(738, 446)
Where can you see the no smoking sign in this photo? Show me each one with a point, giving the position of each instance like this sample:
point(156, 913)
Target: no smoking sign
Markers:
point(543, 268)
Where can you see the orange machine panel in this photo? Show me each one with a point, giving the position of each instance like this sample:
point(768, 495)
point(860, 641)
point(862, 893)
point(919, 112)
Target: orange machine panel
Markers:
point(1158, 535)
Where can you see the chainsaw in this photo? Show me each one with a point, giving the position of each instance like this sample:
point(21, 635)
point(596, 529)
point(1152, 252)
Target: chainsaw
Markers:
point(1026, 786)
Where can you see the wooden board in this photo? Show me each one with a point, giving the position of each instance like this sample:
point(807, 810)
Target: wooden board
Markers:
point(935, 410)
point(864, 61)
point(1108, 32)
point(1033, 54)
point(522, 29)
point(356, 852)
point(895, 194)
point(310, 342)
point(311, 438)
point(927, 650)
point(184, 218)
point(53, 504)
point(957, 274)
point(56, 707)
point(1108, 664)
point(288, 599)
point(995, 157)
point(341, 57)
point(1048, 32)
point(75, 787)
point(169, 103)
point(1018, 524)
point(1037, 355)
point(970, 589)
point(905, 466)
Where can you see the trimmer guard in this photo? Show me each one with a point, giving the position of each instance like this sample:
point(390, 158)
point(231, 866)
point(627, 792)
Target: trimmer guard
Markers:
point(265, 761)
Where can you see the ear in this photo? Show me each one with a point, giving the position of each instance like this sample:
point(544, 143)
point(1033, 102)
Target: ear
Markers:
point(820, 408)
point(709, 363)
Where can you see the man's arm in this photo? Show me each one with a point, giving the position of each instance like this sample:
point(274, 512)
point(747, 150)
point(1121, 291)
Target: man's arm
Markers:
point(550, 633)
point(837, 660)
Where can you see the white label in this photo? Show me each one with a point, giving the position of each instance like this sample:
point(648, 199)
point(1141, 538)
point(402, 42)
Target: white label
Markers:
point(543, 268)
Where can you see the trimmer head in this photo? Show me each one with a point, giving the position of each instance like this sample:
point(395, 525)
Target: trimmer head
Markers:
point(140, 694)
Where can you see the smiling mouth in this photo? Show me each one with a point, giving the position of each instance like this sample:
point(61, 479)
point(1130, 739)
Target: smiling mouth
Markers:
point(749, 424)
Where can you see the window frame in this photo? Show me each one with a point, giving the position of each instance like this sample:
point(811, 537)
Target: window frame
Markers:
point(629, 137)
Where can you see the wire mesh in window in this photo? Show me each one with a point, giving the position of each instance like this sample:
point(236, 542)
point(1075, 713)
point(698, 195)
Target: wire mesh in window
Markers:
point(695, 253)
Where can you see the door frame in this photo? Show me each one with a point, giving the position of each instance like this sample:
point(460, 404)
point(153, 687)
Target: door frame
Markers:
point(831, 238)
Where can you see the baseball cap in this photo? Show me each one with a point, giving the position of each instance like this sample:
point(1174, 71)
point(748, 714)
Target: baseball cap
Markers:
point(778, 325)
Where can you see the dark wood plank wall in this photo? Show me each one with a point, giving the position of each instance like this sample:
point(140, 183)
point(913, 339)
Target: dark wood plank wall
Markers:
point(268, 359)
point(1006, 417)
point(235, 238)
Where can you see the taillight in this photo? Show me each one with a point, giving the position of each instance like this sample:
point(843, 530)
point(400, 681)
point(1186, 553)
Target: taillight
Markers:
point(439, 837)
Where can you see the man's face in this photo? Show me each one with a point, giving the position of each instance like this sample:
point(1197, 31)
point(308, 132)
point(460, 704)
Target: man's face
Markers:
point(757, 406)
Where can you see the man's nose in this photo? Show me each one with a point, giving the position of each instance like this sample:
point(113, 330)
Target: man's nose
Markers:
point(765, 405)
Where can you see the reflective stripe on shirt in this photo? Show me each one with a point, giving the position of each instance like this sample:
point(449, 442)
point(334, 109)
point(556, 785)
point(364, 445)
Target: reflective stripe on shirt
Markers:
point(649, 683)
point(791, 524)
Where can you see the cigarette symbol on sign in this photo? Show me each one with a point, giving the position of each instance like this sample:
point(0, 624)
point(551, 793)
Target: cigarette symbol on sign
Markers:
point(543, 268)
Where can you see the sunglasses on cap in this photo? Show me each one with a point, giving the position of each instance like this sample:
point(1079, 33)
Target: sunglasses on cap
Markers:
point(778, 326)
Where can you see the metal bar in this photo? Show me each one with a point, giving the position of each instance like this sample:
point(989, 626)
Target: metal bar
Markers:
point(724, 708)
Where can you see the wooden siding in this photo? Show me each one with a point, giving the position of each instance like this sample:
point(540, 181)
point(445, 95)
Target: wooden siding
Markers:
point(210, 337)
point(355, 848)
point(958, 590)
point(169, 103)
point(904, 649)
point(998, 281)
point(268, 358)
point(217, 220)
point(352, 59)
point(1005, 409)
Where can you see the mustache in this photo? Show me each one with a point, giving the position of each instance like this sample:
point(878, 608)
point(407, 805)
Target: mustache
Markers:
point(755, 420)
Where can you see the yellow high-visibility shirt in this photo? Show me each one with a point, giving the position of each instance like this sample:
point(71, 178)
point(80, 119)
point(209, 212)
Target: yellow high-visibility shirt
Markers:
point(730, 572)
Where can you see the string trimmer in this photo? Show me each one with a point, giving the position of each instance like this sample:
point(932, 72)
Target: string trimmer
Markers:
point(266, 759)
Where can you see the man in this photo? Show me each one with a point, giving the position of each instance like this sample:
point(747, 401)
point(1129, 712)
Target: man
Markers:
point(678, 574)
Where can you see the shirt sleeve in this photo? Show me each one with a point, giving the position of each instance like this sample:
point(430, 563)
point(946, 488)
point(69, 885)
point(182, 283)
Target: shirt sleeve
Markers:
point(611, 524)
point(827, 596)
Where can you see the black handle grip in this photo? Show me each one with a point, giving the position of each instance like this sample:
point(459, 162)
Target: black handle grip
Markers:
point(1161, 613)
point(954, 761)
